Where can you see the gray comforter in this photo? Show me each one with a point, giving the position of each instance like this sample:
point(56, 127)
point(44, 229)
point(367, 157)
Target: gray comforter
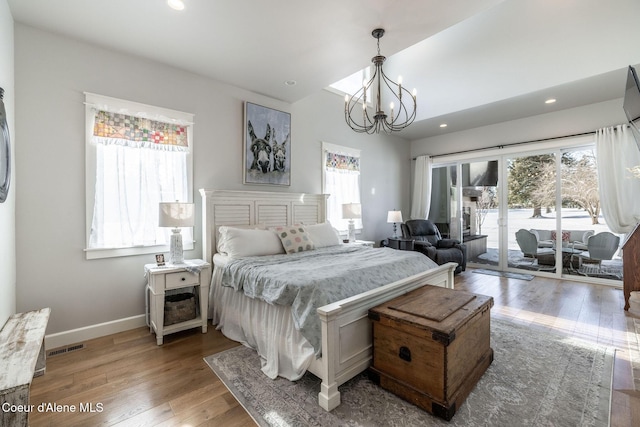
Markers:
point(308, 280)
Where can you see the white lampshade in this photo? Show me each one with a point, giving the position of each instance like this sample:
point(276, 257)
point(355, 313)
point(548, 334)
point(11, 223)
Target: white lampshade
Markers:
point(176, 214)
point(394, 216)
point(351, 211)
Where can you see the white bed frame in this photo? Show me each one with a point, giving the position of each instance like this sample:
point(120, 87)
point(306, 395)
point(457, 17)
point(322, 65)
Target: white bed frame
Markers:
point(346, 329)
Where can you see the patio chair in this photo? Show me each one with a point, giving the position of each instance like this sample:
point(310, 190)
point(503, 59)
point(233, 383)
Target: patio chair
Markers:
point(528, 243)
point(600, 247)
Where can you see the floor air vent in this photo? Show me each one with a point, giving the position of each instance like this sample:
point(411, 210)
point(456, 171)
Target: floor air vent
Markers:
point(65, 350)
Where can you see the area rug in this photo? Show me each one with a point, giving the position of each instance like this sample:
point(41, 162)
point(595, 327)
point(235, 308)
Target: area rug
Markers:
point(536, 379)
point(505, 274)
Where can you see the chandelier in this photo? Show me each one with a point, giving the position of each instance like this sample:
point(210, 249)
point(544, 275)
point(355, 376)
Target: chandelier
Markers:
point(381, 87)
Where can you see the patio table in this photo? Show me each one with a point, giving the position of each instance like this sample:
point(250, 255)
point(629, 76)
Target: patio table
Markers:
point(568, 260)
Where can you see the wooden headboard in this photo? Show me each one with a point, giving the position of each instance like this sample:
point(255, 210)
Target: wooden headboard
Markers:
point(243, 208)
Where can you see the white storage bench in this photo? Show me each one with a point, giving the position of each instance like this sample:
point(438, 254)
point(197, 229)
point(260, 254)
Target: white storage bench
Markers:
point(22, 357)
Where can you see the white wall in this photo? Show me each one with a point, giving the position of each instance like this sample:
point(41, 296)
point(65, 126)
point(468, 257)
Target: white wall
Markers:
point(52, 72)
point(8, 208)
point(572, 121)
point(385, 161)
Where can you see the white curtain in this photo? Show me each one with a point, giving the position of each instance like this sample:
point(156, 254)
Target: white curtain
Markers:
point(617, 154)
point(343, 186)
point(421, 200)
point(341, 181)
point(130, 183)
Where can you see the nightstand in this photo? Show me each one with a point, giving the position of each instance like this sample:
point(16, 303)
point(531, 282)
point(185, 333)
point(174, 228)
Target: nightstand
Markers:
point(177, 277)
point(401, 244)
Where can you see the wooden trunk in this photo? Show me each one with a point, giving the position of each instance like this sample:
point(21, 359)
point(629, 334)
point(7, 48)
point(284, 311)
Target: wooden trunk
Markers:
point(431, 346)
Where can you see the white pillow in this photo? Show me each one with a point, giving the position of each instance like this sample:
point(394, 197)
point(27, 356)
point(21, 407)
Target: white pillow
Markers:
point(219, 240)
point(323, 235)
point(238, 242)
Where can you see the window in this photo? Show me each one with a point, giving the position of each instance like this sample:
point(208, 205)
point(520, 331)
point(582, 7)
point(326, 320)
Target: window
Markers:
point(341, 180)
point(353, 83)
point(137, 156)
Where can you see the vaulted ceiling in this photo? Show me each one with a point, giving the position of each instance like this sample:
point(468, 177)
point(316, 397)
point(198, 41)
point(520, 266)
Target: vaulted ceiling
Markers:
point(473, 62)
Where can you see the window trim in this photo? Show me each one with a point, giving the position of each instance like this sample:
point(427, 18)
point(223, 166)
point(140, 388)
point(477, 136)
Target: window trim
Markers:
point(93, 101)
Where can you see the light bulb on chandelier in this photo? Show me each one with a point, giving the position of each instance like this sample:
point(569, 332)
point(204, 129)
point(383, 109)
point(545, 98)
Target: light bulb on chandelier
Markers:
point(385, 88)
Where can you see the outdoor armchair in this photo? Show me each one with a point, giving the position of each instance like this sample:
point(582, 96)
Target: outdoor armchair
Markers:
point(600, 247)
point(528, 243)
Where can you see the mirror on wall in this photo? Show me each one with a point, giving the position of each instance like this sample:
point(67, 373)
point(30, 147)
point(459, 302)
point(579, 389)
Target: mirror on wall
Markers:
point(5, 151)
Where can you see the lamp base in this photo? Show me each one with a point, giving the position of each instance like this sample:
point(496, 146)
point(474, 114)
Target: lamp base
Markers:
point(351, 234)
point(176, 255)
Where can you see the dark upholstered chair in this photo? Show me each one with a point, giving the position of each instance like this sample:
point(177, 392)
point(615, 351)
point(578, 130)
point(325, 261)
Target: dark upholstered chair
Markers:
point(429, 241)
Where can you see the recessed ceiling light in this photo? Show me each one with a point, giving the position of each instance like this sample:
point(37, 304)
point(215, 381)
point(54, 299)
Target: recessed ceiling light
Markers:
point(550, 101)
point(443, 125)
point(291, 82)
point(176, 4)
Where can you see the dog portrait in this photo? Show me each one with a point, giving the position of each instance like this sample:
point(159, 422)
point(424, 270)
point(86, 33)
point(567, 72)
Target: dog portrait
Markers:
point(267, 146)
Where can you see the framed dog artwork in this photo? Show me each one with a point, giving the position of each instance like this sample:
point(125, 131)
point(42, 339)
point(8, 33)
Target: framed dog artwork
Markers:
point(267, 145)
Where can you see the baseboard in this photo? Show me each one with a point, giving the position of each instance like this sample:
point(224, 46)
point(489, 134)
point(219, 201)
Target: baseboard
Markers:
point(94, 331)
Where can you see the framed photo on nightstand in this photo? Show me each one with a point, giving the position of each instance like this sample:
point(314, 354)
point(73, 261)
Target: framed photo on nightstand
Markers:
point(160, 260)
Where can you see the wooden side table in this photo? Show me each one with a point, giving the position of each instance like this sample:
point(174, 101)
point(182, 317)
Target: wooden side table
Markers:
point(401, 244)
point(162, 279)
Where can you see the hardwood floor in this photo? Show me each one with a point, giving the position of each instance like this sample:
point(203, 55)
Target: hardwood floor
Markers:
point(590, 312)
point(137, 383)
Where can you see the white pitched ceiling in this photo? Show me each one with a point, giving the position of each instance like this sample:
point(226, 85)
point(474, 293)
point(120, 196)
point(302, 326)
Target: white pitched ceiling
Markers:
point(497, 59)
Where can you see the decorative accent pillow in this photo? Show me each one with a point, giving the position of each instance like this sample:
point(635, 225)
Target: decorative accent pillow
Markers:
point(323, 235)
point(238, 242)
point(565, 236)
point(294, 238)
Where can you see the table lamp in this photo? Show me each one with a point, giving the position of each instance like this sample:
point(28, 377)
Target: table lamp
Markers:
point(351, 211)
point(394, 217)
point(176, 215)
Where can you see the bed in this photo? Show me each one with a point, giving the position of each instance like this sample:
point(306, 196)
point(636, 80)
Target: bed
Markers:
point(342, 347)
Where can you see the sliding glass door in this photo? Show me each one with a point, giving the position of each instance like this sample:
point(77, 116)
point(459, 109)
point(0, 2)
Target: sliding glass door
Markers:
point(464, 206)
point(444, 201)
point(534, 211)
point(589, 248)
point(530, 214)
point(480, 211)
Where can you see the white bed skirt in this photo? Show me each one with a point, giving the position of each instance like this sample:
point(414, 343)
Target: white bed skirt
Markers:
point(267, 328)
